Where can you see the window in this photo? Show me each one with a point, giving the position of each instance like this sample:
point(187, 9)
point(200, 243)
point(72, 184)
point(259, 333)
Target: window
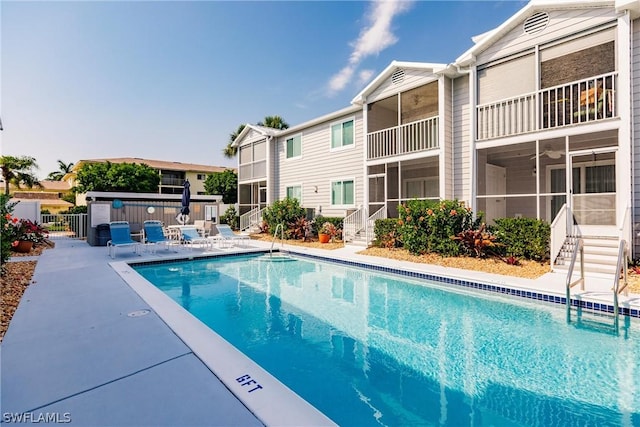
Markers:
point(211, 213)
point(342, 192)
point(201, 177)
point(294, 147)
point(342, 134)
point(295, 192)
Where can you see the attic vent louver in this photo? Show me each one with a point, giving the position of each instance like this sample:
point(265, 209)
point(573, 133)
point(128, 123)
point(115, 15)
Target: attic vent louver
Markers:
point(536, 23)
point(397, 76)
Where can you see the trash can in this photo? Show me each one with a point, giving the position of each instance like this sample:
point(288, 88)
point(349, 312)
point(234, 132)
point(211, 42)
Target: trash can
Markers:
point(103, 234)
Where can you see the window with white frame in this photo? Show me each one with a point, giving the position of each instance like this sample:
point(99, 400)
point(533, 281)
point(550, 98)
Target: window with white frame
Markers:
point(295, 192)
point(211, 213)
point(342, 134)
point(294, 146)
point(343, 192)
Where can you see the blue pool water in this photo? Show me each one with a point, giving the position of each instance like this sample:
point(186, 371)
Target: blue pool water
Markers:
point(371, 349)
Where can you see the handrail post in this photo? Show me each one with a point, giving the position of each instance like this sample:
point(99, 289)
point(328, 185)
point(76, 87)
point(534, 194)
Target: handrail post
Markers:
point(569, 284)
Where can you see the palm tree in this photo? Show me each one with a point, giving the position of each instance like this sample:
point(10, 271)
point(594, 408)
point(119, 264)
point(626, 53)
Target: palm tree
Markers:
point(275, 122)
point(18, 170)
point(230, 151)
point(63, 169)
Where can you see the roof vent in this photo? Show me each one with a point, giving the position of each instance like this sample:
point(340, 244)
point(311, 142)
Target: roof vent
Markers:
point(397, 76)
point(536, 23)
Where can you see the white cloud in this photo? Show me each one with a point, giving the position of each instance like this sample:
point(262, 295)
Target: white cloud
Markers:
point(374, 38)
point(364, 76)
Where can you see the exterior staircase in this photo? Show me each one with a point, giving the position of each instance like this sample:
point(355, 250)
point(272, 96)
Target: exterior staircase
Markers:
point(359, 239)
point(600, 255)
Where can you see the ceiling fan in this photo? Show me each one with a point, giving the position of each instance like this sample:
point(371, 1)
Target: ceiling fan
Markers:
point(552, 154)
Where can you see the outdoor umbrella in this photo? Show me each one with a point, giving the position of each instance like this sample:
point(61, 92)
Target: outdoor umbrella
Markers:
point(183, 216)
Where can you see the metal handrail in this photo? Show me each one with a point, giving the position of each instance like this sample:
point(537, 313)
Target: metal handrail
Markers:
point(275, 233)
point(623, 250)
point(569, 284)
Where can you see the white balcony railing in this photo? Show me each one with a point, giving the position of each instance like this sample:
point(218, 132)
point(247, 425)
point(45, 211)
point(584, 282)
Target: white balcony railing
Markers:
point(412, 137)
point(582, 101)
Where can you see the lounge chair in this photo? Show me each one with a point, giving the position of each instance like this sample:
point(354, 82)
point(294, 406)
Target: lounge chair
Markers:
point(121, 237)
point(155, 236)
point(227, 234)
point(191, 237)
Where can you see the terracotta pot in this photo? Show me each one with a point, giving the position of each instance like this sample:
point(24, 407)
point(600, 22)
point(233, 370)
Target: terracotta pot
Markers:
point(324, 238)
point(24, 246)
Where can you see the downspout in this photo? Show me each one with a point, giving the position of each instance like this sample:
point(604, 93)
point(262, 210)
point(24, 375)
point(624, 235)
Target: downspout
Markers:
point(472, 136)
point(269, 180)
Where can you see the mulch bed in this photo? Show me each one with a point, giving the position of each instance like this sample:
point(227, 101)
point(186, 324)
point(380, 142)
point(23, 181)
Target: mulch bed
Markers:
point(13, 283)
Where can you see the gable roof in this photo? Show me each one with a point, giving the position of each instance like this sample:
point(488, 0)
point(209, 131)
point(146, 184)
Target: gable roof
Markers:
point(483, 41)
point(387, 72)
point(262, 130)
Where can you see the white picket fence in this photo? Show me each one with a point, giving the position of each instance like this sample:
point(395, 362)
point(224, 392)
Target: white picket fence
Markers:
point(73, 226)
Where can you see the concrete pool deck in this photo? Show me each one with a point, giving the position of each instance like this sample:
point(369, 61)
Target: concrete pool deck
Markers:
point(82, 348)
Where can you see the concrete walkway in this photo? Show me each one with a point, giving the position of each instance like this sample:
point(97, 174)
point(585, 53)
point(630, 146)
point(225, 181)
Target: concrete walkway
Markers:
point(82, 346)
point(76, 351)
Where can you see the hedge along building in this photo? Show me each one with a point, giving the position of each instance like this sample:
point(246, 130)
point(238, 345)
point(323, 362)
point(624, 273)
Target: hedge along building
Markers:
point(135, 208)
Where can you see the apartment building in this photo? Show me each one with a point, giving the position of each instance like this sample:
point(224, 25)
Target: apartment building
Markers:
point(537, 119)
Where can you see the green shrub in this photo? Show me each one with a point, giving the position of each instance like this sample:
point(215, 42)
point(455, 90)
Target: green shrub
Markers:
point(286, 212)
point(76, 210)
point(6, 233)
point(427, 225)
point(231, 218)
point(523, 237)
point(386, 233)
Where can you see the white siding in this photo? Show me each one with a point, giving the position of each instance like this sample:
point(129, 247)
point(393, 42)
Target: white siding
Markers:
point(636, 133)
point(319, 165)
point(461, 139)
point(561, 23)
point(412, 78)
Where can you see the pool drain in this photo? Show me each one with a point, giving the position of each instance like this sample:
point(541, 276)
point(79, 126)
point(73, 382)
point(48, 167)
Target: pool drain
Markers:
point(139, 313)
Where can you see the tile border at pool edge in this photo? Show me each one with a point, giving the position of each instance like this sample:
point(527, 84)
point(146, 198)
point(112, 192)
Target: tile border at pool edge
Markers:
point(488, 287)
point(274, 404)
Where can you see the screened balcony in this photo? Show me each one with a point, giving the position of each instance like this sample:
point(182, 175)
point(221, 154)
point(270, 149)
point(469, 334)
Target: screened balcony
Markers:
point(579, 102)
point(404, 123)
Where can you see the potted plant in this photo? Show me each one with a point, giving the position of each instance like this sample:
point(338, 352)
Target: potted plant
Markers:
point(327, 232)
point(24, 234)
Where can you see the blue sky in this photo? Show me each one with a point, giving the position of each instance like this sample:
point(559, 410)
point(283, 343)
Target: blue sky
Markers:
point(171, 80)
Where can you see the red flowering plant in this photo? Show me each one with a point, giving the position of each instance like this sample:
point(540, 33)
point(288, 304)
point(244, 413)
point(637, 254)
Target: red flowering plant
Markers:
point(23, 230)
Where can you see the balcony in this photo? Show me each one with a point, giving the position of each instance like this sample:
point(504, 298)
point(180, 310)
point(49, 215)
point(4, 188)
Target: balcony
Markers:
point(409, 138)
point(579, 102)
point(168, 180)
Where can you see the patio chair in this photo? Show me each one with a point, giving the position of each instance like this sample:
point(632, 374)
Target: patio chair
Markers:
point(121, 237)
point(191, 237)
point(227, 234)
point(155, 235)
point(594, 103)
point(201, 226)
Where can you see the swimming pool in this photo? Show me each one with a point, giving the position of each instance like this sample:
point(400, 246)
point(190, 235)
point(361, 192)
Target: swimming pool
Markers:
point(367, 348)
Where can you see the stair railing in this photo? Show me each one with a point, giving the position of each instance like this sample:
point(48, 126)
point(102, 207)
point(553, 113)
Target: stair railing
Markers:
point(245, 218)
point(559, 228)
point(579, 248)
point(371, 222)
point(353, 223)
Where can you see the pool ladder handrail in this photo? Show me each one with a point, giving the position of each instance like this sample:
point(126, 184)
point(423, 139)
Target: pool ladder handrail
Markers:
point(273, 241)
point(623, 254)
point(579, 248)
